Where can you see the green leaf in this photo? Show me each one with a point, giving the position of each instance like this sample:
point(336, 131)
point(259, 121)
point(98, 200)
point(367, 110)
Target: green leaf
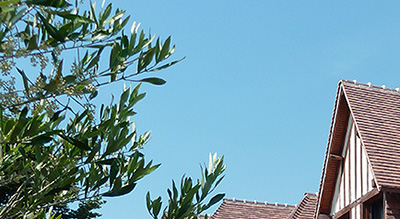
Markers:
point(93, 95)
point(165, 49)
point(155, 81)
point(214, 200)
point(124, 97)
point(22, 150)
point(69, 79)
point(18, 127)
point(25, 80)
point(74, 17)
point(156, 206)
point(79, 144)
point(18, 16)
point(106, 161)
point(117, 16)
point(122, 191)
point(59, 72)
point(41, 139)
point(9, 2)
point(51, 30)
point(52, 3)
point(168, 65)
point(98, 36)
point(106, 13)
point(114, 170)
point(94, 61)
point(2, 34)
point(148, 201)
point(33, 43)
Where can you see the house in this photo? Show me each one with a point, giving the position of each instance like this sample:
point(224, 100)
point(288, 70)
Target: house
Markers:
point(361, 170)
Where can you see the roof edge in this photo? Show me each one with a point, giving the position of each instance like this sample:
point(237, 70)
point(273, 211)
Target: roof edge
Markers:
point(329, 143)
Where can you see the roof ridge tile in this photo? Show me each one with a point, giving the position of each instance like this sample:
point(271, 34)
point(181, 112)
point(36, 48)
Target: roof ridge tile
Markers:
point(369, 85)
point(255, 202)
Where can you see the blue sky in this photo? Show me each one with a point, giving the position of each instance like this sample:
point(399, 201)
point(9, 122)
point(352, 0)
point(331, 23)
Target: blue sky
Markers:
point(257, 86)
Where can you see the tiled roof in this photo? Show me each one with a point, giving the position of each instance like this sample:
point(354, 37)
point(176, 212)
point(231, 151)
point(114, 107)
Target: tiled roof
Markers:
point(376, 112)
point(306, 207)
point(230, 209)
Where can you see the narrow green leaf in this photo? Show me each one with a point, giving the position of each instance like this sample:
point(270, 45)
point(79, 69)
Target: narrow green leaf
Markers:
point(117, 16)
point(69, 79)
point(74, 17)
point(106, 161)
point(122, 191)
point(41, 139)
point(94, 61)
point(21, 150)
point(18, 16)
point(165, 49)
point(214, 200)
point(106, 13)
point(114, 169)
point(50, 29)
point(168, 65)
point(32, 45)
point(155, 81)
point(148, 201)
point(93, 95)
point(52, 3)
point(79, 144)
point(25, 80)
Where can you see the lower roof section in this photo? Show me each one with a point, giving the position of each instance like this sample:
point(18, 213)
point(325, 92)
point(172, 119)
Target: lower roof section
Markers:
point(242, 209)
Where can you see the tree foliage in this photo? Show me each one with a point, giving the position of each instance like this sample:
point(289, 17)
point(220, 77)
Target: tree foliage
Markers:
point(57, 148)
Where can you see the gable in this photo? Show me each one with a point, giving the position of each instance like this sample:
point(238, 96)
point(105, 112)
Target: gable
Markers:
point(355, 178)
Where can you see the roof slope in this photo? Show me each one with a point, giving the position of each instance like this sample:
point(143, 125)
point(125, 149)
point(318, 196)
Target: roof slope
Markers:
point(376, 113)
point(230, 209)
point(306, 207)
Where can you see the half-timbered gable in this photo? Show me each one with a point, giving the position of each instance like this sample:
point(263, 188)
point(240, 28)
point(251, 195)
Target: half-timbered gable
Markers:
point(355, 178)
point(361, 172)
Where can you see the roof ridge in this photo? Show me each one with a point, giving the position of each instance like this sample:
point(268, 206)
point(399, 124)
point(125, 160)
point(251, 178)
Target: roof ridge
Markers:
point(370, 85)
point(255, 202)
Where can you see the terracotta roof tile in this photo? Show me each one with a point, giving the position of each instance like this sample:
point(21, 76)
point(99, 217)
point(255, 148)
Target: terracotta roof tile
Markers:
point(306, 207)
point(230, 209)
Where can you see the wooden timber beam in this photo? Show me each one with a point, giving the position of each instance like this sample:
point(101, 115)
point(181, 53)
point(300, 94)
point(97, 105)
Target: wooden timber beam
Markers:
point(335, 157)
point(360, 200)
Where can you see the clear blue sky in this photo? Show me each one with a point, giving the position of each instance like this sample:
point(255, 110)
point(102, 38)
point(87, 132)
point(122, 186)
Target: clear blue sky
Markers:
point(257, 86)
